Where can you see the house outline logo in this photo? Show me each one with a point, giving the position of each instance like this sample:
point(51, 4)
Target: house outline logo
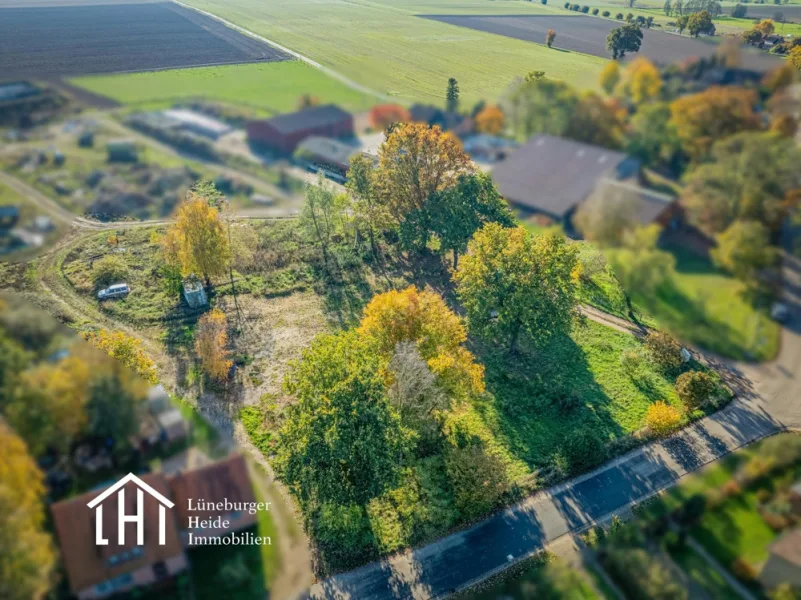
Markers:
point(122, 518)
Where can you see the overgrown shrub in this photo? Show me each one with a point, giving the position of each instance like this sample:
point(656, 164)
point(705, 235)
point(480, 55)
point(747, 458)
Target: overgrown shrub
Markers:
point(109, 270)
point(343, 536)
point(584, 450)
point(478, 479)
point(665, 351)
point(743, 570)
point(630, 360)
point(641, 576)
point(694, 388)
point(662, 418)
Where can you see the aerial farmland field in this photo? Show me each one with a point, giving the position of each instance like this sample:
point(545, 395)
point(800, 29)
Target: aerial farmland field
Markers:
point(48, 39)
point(389, 46)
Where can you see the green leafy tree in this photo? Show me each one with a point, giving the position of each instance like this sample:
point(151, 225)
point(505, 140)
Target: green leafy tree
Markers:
point(743, 249)
point(341, 441)
point(700, 22)
point(626, 38)
point(452, 95)
point(652, 136)
point(27, 558)
point(370, 213)
point(540, 106)
point(478, 479)
point(681, 23)
point(321, 215)
point(457, 212)
point(510, 281)
point(751, 176)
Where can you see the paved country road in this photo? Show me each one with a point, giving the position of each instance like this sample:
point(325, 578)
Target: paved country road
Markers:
point(768, 400)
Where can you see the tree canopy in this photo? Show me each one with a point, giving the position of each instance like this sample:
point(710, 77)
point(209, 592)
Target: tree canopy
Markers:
point(511, 281)
point(626, 38)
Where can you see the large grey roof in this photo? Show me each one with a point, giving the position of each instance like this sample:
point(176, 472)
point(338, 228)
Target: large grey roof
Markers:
point(552, 174)
point(648, 204)
point(316, 116)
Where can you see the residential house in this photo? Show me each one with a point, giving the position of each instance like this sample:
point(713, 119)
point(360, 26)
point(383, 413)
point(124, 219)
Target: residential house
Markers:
point(784, 561)
point(98, 571)
point(552, 176)
point(285, 132)
point(222, 481)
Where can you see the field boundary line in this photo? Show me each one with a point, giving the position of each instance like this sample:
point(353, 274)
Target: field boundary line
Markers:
point(327, 70)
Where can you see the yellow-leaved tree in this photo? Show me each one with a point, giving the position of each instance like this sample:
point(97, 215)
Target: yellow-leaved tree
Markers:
point(198, 240)
point(27, 558)
point(423, 318)
point(642, 81)
point(126, 349)
point(490, 120)
point(610, 77)
point(211, 341)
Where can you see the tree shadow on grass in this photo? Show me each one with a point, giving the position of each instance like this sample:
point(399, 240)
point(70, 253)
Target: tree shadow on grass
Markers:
point(537, 399)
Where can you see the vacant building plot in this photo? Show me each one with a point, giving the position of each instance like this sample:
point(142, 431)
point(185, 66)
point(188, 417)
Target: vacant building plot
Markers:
point(46, 40)
point(588, 35)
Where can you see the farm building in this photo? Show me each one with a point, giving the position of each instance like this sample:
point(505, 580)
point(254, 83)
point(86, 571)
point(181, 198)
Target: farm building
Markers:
point(197, 123)
point(552, 176)
point(328, 154)
point(284, 132)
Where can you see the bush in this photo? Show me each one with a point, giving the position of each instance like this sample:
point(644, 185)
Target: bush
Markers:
point(619, 16)
point(630, 360)
point(665, 351)
point(662, 418)
point(478, 479)
point(743, 570)
point(343, 536)
point(567, 4)
point(640, 576)
point(694, 388)
point(606, 13)
point(109, 270)
point(595, 11)
point(544, 1)
point(584, 450)
point(585, 9)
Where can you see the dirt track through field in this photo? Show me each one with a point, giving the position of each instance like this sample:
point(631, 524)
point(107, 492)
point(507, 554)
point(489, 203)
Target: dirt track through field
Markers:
point(53, 41)
point(588, 35)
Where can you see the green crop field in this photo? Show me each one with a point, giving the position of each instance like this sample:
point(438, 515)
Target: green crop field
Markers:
point(383, 44)
point(268, 87)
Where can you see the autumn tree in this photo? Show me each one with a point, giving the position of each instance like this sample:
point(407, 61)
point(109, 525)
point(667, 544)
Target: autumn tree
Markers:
point(198, 239)
point(795, 57)
point(341, 441)
point(510, 281)
point(596, 121)
point(490, 120)
point(743, 249)
point(384, 115)
point(211, 341)
point(702, 119)
point(423, 318)
point(415, 162)
point(457, 212)
point(610, 76)
point(126, 349)
point(750, 176)
point(626, 38)
point(452, 95)
point(46, 405)
point(642, 81)
point(550, 36)
point(766, 27)
point(700, 22)
point(27, 557)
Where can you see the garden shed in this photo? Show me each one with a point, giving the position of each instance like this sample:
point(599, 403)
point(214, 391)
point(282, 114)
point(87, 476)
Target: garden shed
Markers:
point(194, 293)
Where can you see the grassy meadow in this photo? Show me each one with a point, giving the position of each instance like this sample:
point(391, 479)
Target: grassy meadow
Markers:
point(269, 88)
point(383, 45)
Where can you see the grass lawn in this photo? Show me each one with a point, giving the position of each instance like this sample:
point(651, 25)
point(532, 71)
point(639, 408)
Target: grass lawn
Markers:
point(385, 46)
point(271, 88)
point(704, 574)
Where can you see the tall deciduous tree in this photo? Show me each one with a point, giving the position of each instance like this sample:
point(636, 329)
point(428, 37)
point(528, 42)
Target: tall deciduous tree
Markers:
point(368, 208)
point(211, 341)
point(321, 214)
point(751, 176)
point(610, 76)
point(743, 249)
point(27, 558)
point(550, 36)
point(510, 281)
point(341, 441)
point(490, 120)
point(198, 240)
point(544, 106)
point(424, 319)
point(700, 22)
point(702, 119)
point(642, 81)
point(126, 349)
point(415, 162)
point(457, 212)
point(626, 38)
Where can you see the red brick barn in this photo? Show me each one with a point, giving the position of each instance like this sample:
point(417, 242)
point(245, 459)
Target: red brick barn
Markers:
point(285, 132)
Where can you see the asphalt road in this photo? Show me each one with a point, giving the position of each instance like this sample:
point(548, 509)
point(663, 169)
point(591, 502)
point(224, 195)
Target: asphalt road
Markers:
point(587, 34)
point(767, 402)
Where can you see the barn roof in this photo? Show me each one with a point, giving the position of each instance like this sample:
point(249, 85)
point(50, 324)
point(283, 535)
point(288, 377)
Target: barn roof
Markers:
point(316, 116)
